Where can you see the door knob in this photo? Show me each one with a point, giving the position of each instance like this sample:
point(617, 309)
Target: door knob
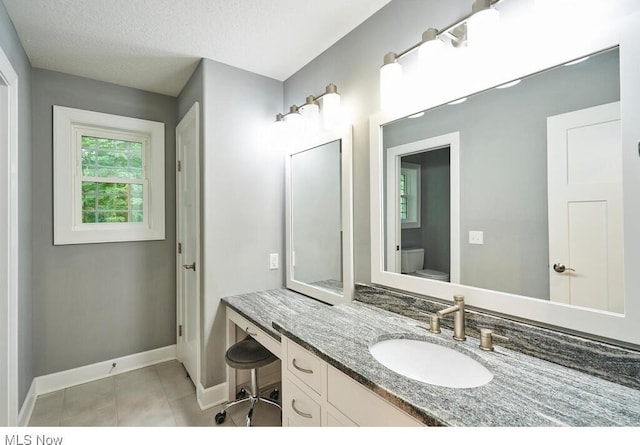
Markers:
point(190, 266)
point(560, 268)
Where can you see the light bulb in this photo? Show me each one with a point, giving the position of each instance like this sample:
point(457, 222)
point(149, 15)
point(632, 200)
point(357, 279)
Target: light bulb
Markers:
point(331, 108)
point(482, 26)
point(390, 83)
point(310, 112)
point(431, 50)
point(294, 123)
point(294, 116)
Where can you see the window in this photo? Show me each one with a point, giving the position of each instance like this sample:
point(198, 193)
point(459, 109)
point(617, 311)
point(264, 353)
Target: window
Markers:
point(410, 195)
point(108, 178)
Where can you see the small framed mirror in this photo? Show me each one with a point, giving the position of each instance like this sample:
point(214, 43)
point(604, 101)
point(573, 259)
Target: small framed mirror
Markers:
point(319, 218)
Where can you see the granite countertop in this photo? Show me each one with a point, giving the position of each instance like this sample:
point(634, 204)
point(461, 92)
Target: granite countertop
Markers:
point(525, 391)
point(263, 308)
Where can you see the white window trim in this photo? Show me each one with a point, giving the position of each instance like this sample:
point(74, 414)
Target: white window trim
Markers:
point(67, 224)
point(413, 188)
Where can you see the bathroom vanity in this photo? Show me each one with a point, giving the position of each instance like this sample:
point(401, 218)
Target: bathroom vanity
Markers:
point(348, 386)
point(570, 315)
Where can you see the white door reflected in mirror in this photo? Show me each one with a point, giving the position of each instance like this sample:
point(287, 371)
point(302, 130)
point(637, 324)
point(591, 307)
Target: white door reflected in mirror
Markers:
point(585, 208)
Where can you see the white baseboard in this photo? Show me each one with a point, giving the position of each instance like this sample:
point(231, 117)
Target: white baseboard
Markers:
point(27, 406)
point(207, 397)
point(213, 396)
point(77, 376)
point(219, 394)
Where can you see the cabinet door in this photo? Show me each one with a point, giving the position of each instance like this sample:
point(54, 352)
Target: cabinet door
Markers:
point(334, 418)
point(361, 405)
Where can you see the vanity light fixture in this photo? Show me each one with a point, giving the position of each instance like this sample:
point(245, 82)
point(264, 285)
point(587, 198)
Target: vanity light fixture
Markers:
point(431, 48)
point(328, 102)
point(293, 115)
point(310, 109)
point(294, 122)
point(331, 107)
point(479, 25)
point(390, 82)
point(483, 23)
point(310, 112)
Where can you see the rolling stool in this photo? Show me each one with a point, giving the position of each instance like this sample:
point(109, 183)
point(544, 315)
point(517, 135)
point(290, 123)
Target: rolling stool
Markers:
point(248, 354)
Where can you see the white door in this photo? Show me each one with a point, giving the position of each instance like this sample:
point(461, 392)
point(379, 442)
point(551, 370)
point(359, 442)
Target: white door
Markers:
point(8, 243)
point(585, 208)
point(188, 237)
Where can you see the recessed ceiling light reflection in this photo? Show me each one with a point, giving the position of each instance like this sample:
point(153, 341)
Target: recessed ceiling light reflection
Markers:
point(575, 62)
point(459, 101)
point(414, 116)
point(509, 84)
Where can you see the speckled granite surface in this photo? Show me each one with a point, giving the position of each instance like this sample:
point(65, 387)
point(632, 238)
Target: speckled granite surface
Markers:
point(525, 390)
point(613, 363)
point(276, 305)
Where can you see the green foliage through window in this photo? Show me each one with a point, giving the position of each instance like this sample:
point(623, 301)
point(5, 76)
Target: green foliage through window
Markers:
point(112, 202)
point(109, 158)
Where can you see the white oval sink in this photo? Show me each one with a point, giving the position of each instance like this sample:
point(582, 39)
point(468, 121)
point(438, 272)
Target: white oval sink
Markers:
point(430, 363)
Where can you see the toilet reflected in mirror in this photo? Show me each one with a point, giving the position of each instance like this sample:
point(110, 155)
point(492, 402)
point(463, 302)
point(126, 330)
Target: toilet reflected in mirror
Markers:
point(412, 262)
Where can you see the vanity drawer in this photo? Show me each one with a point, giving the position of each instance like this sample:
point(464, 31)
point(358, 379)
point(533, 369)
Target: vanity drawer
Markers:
point(299, 408)
point(361, 405)
point(305, 366)
point(251, 329)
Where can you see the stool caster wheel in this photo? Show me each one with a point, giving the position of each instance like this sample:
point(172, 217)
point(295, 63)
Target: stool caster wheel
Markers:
point(241, 394)
point(274, 394)
point(220, 417)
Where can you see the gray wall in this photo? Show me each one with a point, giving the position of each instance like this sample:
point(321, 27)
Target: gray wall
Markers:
point(242, 194)
point(12, 48)
point(503, 164)
point(353, 64)
point(95, 302)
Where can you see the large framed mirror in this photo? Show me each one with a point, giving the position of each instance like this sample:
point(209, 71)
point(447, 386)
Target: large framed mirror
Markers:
point(319, 218)
point(521, 191)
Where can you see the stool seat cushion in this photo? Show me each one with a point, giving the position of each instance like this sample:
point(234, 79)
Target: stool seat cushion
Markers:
point(248, 354)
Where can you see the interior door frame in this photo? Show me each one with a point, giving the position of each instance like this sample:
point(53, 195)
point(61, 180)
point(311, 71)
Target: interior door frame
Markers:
point(9, 275)
point(193, 113)
point(393, 226)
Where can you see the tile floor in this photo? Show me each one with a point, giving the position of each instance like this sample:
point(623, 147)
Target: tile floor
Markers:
point(158, 395)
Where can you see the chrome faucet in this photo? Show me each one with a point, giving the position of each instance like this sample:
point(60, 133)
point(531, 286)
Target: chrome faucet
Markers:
point(458, 317)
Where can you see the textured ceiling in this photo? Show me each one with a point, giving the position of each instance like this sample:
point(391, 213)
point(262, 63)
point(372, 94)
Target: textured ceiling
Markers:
point(155, 45)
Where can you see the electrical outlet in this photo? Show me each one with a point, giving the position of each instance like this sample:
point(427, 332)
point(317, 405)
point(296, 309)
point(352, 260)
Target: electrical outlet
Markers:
point(273, 261)
point(476, 237)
